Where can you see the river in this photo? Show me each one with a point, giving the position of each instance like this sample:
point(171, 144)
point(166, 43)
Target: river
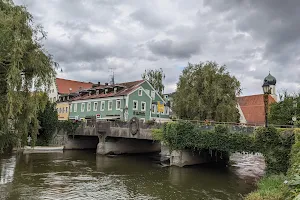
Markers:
point(85, 175)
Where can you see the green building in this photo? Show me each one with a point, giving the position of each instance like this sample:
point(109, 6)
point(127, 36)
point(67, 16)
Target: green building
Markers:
point(120, 101)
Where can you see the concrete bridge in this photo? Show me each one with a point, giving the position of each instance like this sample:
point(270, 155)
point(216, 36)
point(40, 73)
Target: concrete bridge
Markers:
point(114, 137)
point(135, 137)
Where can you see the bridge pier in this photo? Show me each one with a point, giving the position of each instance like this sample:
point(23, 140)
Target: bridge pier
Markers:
point(111, 145)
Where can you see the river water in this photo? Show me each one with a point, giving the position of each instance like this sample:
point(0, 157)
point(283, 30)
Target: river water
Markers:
point(85, 175)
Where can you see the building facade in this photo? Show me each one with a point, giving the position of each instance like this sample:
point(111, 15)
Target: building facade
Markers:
point(62, 110)
point(120, 101)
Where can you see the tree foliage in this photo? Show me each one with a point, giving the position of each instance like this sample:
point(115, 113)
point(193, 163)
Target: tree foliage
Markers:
point(207, 91)
point(155, 78)
point(48, 123)
point(25, 70)
point(281, 113)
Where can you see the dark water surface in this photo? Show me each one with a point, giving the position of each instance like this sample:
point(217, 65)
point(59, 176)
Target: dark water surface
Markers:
point(85, 175)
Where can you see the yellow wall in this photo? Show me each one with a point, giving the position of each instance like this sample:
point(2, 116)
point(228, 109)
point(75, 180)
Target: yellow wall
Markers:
point(63, 110)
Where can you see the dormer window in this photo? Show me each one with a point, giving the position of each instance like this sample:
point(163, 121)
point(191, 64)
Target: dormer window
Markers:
point(140, 92)
point(105, 91)
point(97, 92)
point(115, 90)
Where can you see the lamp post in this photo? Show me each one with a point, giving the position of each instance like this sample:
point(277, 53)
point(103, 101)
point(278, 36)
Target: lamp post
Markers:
point(266, 89)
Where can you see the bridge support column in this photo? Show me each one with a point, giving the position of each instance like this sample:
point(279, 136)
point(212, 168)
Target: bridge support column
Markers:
point(126, 146)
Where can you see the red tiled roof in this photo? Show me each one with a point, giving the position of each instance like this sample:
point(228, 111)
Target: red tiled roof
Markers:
point(129, 87)
point(253, 107)
point(64, 85)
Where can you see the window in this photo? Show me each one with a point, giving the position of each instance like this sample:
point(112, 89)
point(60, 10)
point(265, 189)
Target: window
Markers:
point(54, 99)
point(63, 110)
point(153, 94)
point(51, 100)
point(102, 105)
point(118, 104)
point(135, 105)
point(167, 110)
point(75, 107)
point(71, 105)
point(82, 107)
point(95, 106)
point(140, 92)
point(147, 92)
point(66, 109)
point(143, 106)
point(89, 106)
point(105, 91)
point(166, 96)
point(52, 90)
point(115, 90)
point(110, 105)
point(153, 108)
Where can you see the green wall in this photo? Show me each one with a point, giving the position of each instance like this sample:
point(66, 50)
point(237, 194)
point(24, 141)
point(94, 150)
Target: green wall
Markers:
point(144, 98)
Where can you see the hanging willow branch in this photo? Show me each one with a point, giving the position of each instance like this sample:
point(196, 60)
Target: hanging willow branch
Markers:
point(26, 71)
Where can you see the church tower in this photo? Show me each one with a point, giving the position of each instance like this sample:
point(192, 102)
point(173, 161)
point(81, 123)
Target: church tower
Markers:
point(271, 80)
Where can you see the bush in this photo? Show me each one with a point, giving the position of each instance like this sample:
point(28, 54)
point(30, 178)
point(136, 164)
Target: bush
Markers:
point(270, 188)
point(68, 126)
point(294, 170)
point(275, 147)
point(184, 134)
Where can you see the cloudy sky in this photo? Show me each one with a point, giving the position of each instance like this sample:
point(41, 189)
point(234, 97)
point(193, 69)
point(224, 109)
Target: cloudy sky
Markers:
point(87, 37)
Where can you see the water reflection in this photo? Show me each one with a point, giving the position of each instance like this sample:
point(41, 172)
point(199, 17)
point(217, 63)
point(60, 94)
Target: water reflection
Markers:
point(7, 169)
point(85, 175)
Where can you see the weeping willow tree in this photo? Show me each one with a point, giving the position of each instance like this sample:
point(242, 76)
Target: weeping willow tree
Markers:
point(207, 91)
point(26, 70)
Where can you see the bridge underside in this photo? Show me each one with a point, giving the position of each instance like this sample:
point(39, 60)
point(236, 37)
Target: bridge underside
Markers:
point(81, 142)
point(113, 145)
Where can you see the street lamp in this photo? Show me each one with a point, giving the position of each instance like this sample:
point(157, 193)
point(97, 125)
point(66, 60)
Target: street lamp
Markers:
point(267, 91)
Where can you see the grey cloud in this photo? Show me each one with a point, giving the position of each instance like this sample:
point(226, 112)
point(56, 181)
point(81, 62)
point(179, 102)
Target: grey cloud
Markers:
point(250, 37)
point(172, 49)
point(149, 18)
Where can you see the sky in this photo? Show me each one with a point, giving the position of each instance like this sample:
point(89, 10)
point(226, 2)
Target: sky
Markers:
point(88, 37)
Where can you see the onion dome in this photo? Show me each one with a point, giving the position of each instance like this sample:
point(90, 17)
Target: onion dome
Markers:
point(271, 80)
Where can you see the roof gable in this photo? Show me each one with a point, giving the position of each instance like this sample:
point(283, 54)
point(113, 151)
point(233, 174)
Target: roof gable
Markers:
point(253, 107)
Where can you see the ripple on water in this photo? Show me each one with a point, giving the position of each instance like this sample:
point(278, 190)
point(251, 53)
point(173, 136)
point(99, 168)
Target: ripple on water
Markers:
point(248, 165)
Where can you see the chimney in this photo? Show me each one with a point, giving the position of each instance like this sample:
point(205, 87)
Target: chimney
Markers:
point(106, 84)
point(98, 83)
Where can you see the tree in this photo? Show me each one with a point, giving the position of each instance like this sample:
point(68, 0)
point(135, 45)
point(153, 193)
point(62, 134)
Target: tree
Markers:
point(207, 91)
point(281, 112)
point(48, 123)
point(26, 69)
point(155, 78)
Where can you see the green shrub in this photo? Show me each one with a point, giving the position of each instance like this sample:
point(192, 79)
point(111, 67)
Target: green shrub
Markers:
point(68, 126)
point(294, 170)
point(275, 147)
point(157, 134)
point(270, 188)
